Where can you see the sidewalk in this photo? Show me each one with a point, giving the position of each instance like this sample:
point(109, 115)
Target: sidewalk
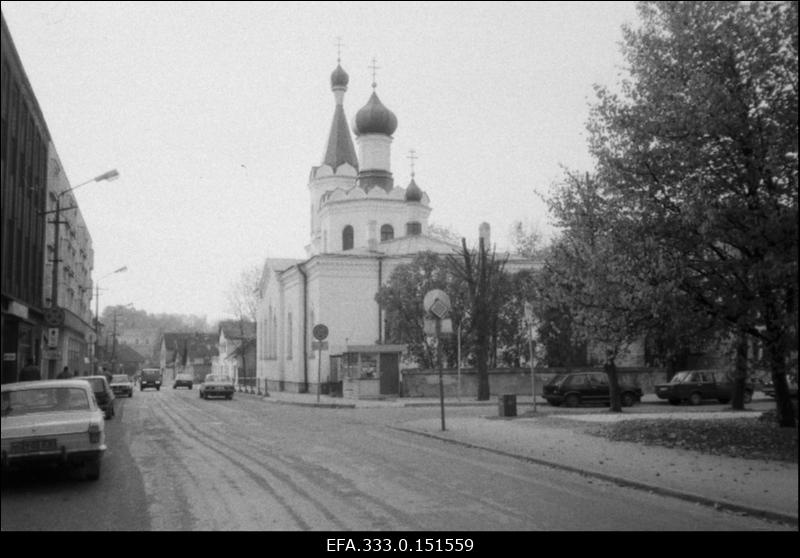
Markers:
point(767, 489)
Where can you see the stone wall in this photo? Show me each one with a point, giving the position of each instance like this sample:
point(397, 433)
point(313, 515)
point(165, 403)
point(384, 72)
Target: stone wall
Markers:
point(425, 383)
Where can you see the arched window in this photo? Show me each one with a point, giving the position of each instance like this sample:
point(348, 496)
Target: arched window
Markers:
point(387, 233)
point(413, 228)
point(347, 238)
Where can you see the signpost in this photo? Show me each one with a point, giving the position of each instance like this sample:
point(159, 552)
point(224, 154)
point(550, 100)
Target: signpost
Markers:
point(437, 307)
point(320, 333)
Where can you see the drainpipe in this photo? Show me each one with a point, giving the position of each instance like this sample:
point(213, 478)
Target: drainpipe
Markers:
point(305, 327)
point(380, 313)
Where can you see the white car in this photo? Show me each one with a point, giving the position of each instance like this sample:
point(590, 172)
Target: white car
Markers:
point(52, 421)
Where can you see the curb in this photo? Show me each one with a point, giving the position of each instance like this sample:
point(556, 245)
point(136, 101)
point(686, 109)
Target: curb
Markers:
point(694, 498)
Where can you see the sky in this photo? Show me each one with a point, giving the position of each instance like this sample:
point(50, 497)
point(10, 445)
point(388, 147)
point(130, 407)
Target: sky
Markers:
point(214, 113)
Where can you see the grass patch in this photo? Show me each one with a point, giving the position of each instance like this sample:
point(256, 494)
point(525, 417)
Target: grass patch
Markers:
point(745, 437)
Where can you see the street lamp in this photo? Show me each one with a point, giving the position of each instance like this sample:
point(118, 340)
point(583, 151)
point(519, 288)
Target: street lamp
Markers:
point(97, 313)
point(110, 175)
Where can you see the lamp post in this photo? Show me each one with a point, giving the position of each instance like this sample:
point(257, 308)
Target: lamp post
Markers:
point(110, 175)
point(97, 314)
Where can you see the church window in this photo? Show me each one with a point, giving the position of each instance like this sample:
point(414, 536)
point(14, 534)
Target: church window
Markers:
point(413, 228)
point(387, 233)
point(347, 238)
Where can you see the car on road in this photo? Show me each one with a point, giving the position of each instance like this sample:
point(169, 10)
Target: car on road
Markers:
point(103, 393)
point(52, 422)
point(150, 377)
point(121, 384)
point(217, 385)
point(183, 380)
point(696, 386)
point(791, 381)
point(575, 388)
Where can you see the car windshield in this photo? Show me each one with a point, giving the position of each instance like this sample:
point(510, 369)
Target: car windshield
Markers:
point(680, 377)
point(184, 377)
point(558, 380)
point(217, 378)
point(44, 400)
point(97, 384)
point(119, 379)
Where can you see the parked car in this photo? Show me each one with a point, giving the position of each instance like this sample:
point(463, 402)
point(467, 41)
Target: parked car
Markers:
point(121, 384)
point(791, 380)
point(183, 380)
point(150, 377)
point(103, 394)
point(217, 385)
point(696, 386)
point(52, 422)
point(575, 388)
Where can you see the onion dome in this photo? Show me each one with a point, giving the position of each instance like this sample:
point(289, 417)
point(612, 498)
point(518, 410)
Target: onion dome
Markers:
point(413, 193)
point(339, 78)
point(375, 118)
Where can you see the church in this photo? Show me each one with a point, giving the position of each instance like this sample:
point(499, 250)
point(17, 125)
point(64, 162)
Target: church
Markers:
point(363, 226)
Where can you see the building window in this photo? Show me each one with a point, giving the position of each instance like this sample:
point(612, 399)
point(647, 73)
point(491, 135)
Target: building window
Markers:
point(387, 233)
point(347, 238)
point(413, 228)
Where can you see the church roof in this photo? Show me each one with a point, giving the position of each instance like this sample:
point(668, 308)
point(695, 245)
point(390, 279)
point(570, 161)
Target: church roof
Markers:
point(375, 118)
point(340, 145)
point(234, 329)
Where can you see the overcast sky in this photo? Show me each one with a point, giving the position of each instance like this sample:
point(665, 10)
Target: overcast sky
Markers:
point(215, 112)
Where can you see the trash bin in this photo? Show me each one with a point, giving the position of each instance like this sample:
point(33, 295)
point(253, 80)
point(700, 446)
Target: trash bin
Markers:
point(508, 405)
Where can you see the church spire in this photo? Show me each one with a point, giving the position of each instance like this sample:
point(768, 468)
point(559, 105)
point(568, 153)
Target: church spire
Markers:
point(340, 145)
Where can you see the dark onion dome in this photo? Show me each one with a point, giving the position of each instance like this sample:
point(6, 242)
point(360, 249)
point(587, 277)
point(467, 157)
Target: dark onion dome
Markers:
point(413, 193)
point(374, 118)
point(339, 77)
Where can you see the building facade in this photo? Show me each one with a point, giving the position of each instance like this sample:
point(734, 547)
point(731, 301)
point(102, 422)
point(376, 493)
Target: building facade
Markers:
point(23, 171)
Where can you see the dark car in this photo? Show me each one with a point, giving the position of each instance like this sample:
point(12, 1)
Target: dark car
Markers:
point(576, 388)
point(696, 386)
point(183, 380)
point(791, 381)
point(102, 393)
point(150, 377)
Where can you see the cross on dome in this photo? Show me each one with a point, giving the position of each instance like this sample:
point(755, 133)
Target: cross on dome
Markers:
point(374, 67)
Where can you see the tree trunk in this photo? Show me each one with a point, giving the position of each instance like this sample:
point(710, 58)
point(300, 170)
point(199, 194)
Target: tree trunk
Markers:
point(610, 368)
point(739, 373)
point(776, 352)
point(483, 366)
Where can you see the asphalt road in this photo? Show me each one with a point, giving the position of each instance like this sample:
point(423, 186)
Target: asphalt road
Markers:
point(179, 463)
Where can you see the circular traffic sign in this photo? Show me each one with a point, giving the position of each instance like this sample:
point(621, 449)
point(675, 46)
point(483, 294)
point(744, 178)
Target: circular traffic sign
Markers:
point(54, 316)
point(320, 332)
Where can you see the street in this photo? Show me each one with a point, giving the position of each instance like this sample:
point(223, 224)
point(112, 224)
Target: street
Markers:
point(179, 463)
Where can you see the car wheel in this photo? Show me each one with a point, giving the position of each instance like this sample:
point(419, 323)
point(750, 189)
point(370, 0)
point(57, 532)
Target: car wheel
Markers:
point(674, 401)
point(628, 399)
point(158, 388)
point(748, 396)
point(572, 400)
point(91, 469)
point(695, 398)
point(554, 403)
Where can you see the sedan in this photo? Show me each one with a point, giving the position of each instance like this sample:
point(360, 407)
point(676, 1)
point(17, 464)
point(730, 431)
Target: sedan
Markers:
point(52, 422)
point(121, 384)
point(217, 385)
point(696, 386)
point(103, 394)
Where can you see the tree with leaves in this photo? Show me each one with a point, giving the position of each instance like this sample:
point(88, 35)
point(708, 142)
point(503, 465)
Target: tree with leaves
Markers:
point(401, 299)
point(242, 298)
point(698, 156)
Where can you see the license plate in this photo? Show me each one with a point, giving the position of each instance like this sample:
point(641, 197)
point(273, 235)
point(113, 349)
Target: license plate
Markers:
point(26, 446)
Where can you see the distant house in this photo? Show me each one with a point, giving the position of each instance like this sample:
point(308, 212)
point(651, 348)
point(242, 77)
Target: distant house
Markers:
point(231, 361)
point(187, 353)
point(127, 360)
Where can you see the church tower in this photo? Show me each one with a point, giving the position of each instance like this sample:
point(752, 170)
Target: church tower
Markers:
point(339, 164)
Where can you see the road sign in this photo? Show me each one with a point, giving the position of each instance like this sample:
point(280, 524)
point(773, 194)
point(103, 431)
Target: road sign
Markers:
point(320, 332)
point(52, 337)
point(54, 316)
point(436, 302)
